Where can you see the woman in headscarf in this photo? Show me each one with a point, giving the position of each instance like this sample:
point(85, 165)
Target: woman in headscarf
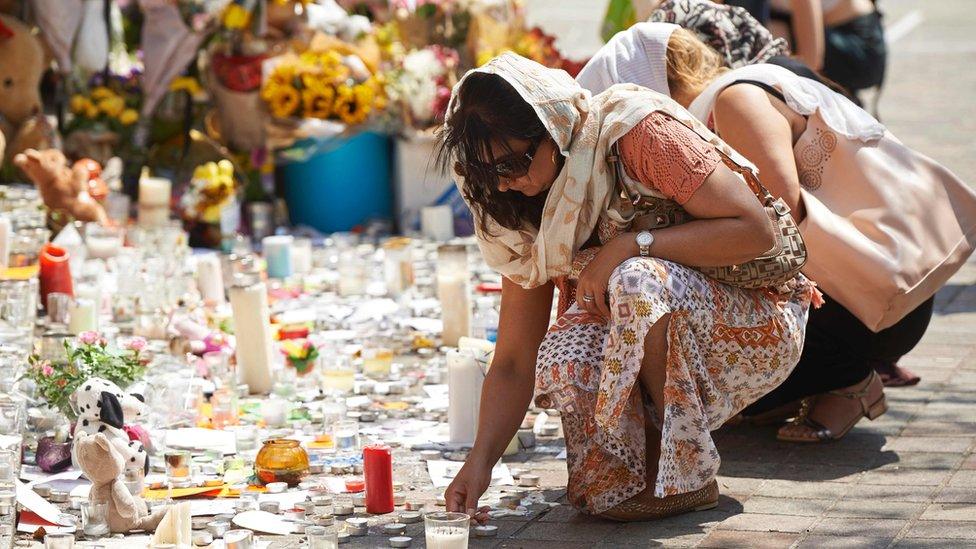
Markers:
point(762, 111)
point(651, 355)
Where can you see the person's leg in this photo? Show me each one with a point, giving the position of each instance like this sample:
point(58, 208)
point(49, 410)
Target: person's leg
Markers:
point(855, 54)
point(653, 376)
point(897, 341)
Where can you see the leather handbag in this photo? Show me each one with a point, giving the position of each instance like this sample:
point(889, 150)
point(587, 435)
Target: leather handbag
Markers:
point(773, 269)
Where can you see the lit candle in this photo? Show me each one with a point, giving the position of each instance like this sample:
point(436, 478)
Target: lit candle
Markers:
point(437, 223)
point(301, 255)
point(255, 351)
point(377, 362)
point(83, 317)
point(210, 279)
point(6, 232)
point(277, 253)
point(378, 469)
point(55, 271)
point(453, 292)
point(464, 380)
point(154, 191)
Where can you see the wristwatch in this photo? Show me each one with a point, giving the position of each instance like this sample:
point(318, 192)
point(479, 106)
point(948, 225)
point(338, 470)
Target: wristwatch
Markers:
point(644, 241)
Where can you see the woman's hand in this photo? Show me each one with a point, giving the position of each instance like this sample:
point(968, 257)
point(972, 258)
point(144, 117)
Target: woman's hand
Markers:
point(594, 280)
point(463, 493)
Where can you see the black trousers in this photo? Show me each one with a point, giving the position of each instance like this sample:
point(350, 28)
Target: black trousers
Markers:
point(840, 351)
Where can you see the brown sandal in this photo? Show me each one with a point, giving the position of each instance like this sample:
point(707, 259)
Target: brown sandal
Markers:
point(805, 429)
point(647, 507)
point(775, 416)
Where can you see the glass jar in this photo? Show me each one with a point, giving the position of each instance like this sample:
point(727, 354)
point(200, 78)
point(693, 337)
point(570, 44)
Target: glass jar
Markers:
point(281, 460)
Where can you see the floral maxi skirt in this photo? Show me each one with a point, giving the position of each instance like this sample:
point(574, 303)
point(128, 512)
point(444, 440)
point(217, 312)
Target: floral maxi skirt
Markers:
point(727, 347)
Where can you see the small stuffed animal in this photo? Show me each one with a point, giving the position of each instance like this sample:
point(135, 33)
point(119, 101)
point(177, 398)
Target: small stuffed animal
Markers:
point(102, 461)
point(104, 408)
point(63, 189)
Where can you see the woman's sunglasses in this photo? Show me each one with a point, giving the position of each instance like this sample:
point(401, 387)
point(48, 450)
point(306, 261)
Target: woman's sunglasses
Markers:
point(517, 165)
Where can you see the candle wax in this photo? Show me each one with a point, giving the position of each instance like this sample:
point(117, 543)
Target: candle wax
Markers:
point(378, 469)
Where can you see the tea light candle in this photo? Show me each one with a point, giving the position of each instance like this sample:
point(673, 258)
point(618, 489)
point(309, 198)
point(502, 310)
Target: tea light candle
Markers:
point(255, 350)
point(272, 507)
point(394, 529)
point(400, 541)
point(528, 480)
point(437, 223)
point(210, 279)
point(410, 517)
point(486, 531)
point(277, 253)
point(82, 316)
point(343, 509)
point(464, 381)
point(355, 485)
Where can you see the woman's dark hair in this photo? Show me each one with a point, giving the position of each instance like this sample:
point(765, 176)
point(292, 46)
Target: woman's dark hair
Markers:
point(490, 110)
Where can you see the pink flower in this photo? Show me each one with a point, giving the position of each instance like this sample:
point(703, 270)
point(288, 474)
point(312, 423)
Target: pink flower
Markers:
point(46, 369)
point(89, 338)
point(136, 344)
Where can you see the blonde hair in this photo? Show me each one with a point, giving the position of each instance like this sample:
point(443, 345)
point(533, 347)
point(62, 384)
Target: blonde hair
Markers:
point(692, 65)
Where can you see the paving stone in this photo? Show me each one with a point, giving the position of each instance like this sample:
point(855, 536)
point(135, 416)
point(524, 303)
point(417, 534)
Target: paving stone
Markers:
point(939, 428)
point(921, 543)
point(906, 477)
point(891, 492)
point(929, 444)
point(924, 460)
point(950, 511)
point(842, 542)
point(780, 506)
point(818, 472)
point(874, 528)
point(943, 529)
point(759, 522)
point(969, 462)
point(803, 490)
point(966, 478)
point(563, 531)
point(956, 495)
point(735, 486)
point(875, 509)
point(731, 539)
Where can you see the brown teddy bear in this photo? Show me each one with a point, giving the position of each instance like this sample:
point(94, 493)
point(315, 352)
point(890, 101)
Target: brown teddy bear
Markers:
point(101, 460)
point(64, 189)
point(21, 69)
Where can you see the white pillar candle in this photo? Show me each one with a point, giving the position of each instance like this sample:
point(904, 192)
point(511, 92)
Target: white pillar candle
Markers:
point(6, 232)
point(255, 350)
point(154, 191)
point(453, 292)
point(277, 253)
point(83, 317)
point(437, 223)
point(210, 279)
point(301, 255)
point(464, 380)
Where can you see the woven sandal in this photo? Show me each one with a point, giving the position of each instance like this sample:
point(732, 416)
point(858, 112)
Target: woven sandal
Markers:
point(871, 397)
point(644, 506)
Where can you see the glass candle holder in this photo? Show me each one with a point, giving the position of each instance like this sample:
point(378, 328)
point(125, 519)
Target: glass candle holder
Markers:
point(94, 519)
point(320, 537)
point(135, 480)
point(281, 460)
point(58, 308)
point(177, 467)
point(453, 280)
point(59, 541)
point(345, 435)
point(103, 241)
point(446, 530)
point(377, 362)
point(338, 373)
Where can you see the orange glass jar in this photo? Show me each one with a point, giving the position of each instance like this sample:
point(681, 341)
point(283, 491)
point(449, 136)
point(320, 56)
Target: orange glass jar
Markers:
point(281, 460)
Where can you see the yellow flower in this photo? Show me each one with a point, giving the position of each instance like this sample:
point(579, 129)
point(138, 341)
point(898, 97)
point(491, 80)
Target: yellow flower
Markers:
point(236, 17)
point(91, 111)
point(317, 103)
point(284, 101)
point(101, 92)
point(112, 106)
point(187, 84)
point(347, 107)
point(128, 116)
point(79, 103)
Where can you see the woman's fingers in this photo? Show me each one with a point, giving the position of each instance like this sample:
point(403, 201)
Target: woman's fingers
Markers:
point(603, 305)
point(454, 499)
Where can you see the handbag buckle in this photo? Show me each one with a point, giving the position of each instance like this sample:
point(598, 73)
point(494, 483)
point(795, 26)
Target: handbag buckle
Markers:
point(780, 207)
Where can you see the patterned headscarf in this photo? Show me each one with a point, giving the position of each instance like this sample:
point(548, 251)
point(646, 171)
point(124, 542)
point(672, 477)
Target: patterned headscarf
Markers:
point(729, 30)
point(584, 128)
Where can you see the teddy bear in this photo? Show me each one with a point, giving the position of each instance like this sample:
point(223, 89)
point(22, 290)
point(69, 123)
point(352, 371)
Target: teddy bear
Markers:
point(104, 408)
point(63, 188)
point(102, 461)
point(21, 67)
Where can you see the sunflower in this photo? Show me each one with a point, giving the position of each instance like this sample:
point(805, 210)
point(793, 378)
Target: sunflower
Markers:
point(91, 111)
point(347, 108)
point(236, 17)
point(284, 101)
point(317, 102)
point(79, 103)
point(101, 92)
point(128, 116)
point(112, 106)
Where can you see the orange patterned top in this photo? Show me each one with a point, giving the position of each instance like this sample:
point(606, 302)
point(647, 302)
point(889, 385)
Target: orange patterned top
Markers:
point(665, 154)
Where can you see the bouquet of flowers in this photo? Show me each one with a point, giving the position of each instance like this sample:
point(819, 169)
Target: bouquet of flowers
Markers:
point(300, 354)
point(89, 356)
point(211, 189)
point(102, 108)
point(326, 84)
point(421, 86)
point(538, 46)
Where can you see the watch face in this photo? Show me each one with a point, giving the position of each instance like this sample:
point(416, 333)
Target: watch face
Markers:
point(644, 239)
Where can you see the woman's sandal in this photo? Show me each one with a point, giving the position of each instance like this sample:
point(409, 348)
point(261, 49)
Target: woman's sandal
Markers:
point(893, 375)
point(775, 416)
point(806, 429)
point(644, 506)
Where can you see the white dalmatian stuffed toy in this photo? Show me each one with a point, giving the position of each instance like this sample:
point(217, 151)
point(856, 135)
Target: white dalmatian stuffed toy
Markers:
point(104, 408)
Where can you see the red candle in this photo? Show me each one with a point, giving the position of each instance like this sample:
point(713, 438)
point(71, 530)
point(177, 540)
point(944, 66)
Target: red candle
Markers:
point(355, 485)
point(378, 467)
point(55, 272)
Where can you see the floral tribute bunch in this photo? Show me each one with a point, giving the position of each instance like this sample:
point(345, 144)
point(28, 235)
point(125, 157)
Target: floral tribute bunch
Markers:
point(103, 108)
point(211, 189)
point(300, 354)
point(421, 86)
